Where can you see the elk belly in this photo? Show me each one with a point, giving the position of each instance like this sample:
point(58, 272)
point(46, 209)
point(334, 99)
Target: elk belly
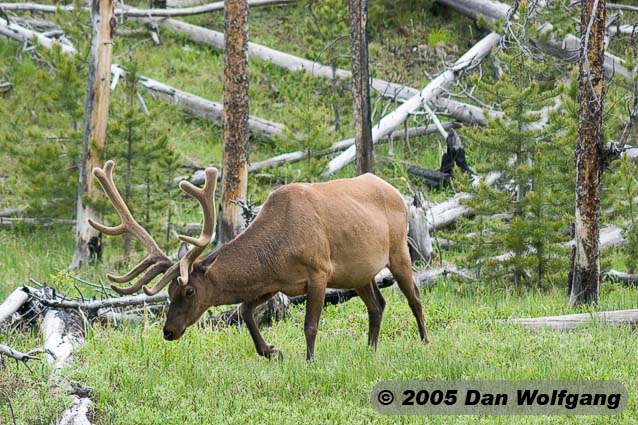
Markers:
point(474, 397)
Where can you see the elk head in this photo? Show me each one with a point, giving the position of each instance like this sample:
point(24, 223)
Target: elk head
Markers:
point(187, 277)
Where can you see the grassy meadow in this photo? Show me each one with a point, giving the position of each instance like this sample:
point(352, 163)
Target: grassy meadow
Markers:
point(213, 375)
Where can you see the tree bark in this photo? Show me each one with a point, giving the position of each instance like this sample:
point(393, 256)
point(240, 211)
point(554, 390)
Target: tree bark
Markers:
point(95, 122)
point(585, 267)
point(361, 85)
point(236, 134)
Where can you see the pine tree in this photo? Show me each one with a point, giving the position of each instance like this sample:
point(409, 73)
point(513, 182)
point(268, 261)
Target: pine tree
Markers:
point(530, 146)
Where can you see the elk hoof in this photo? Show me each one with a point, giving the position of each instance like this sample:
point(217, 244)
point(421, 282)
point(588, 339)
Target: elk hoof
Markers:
point(274, 353)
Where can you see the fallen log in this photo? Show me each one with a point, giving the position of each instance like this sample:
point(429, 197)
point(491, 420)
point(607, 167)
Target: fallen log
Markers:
point(198, 106)
point(24, 35)
point(10, 212)
point(198, 176)
point(389, 122)
point(12, 304)
point(287, 61)
point(135, 12)
point(7, 222)
point(573, 321)
point(92, 307)
point(611, 6)
point(423, 279)
point(63, 332)
point(622, 29)
point(619, 276)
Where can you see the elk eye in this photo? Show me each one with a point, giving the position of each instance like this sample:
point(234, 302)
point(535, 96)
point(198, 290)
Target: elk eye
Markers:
point(190, 292)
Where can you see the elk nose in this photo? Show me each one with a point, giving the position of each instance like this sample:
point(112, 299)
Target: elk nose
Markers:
point(168, 335)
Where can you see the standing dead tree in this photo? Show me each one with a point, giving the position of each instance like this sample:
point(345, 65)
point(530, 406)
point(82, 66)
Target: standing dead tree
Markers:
point(87, 242)
point(236, 133)
point(361, 85)
point(584, 275)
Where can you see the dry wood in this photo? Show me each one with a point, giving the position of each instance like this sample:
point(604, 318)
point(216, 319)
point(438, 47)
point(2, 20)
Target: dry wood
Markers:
point(135, 12)
point(466, 113)
point(572, 321)
point(198, 176)
point(566, 49)
point(611, 6)
point(63, 332)
point(96, 110)
point(94, 306)
point(236, 135)
point(584, 275)
point(622, 277)
point(389, 122)
point(418, 232)
point(7, 222)
point(215, 39)
point(200, 107)
point(25, 35)
point(360, 85)
point(19, 356)
point(12, 304)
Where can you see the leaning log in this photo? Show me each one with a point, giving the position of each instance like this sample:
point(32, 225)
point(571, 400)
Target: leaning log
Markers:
point(215, 39)
point(573, 321)
point(389, 122)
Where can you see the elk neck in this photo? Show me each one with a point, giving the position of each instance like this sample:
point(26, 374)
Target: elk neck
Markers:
point(247, 266)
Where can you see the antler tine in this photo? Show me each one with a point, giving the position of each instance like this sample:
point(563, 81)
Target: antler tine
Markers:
point(156, 259)
point(105, 177)
point(206, 198)
point(170, 274)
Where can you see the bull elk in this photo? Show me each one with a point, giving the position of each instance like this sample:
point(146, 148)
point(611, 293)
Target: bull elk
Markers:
point(306, 238)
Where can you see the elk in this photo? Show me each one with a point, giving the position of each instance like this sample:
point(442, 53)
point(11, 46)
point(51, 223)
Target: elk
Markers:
point(305, 238)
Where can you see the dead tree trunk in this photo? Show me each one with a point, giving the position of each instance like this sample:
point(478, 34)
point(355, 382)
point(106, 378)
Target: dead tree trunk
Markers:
point(361, 85)
point(96, 109)
point(236, 133)
point(585, 267)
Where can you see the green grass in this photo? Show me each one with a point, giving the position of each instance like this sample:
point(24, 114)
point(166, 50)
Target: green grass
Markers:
point(214, 375)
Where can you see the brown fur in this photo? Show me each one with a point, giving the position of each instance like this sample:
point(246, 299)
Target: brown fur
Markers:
point(306, 238)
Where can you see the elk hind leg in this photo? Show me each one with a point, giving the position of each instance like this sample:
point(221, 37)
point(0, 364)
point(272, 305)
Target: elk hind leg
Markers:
point(401, 268)
point(375, 305)
point(315, 297)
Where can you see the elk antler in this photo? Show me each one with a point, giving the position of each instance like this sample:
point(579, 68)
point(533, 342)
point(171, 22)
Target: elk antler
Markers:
point(206, 198)
point(156, 261)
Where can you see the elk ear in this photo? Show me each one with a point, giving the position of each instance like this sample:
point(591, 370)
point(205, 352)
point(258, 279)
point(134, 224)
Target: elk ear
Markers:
point(183, 249)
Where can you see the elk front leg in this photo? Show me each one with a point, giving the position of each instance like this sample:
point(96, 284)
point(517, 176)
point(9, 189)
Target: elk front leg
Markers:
point(315, 298)
point(246, 311)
